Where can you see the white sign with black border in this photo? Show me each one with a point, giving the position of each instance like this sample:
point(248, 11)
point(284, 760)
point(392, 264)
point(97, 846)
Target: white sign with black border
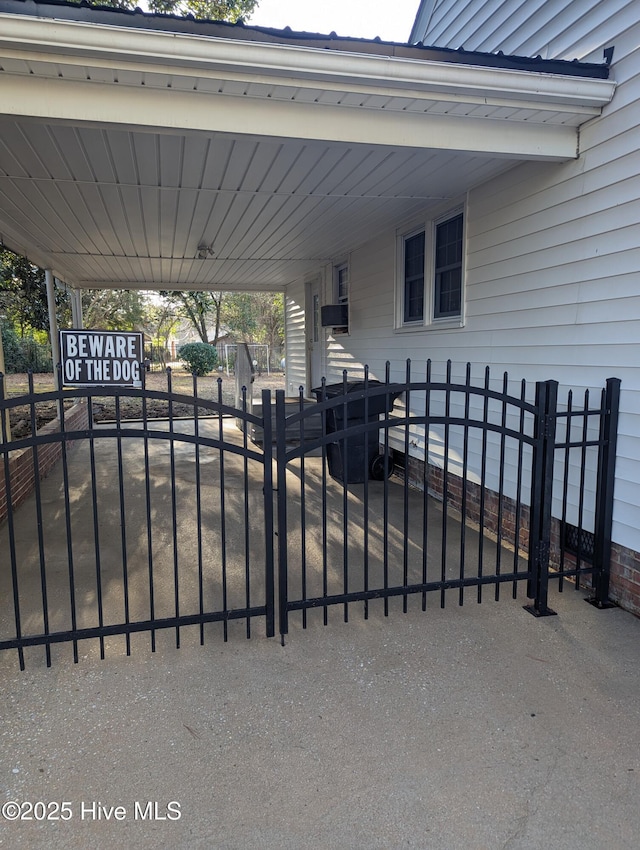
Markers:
point(93, 358)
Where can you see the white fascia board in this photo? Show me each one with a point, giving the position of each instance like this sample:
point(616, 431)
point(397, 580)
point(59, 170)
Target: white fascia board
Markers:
point(178, 52)
point(218, 286)
point(166, 110)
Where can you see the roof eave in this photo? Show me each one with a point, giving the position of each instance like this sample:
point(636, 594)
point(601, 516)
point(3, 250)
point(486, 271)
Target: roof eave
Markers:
point(311, 66)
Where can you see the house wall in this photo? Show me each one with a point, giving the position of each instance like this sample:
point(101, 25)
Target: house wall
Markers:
point(552, 29)
point(552, 262)
point(295, 339)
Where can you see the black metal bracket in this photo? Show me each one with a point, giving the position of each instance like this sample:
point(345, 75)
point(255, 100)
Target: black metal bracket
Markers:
point(540, 612)
point(601, 605)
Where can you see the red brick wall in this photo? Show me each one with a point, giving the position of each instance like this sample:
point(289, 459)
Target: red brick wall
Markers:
point(21, 466)
point(625, 578)
point(624, 565)
point(491, 517)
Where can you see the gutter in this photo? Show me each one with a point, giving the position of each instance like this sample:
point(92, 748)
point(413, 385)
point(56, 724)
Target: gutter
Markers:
point(60, 41)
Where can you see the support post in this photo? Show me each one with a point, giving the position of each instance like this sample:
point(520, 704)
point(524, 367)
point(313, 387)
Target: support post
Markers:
point(76, 309)
point(6, 413)
point(53, 332)
point(53, 322)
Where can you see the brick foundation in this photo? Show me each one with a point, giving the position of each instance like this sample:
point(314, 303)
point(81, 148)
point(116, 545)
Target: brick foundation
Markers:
point(495, 513)
point(500, 514)
point(21, 466)
point(625, 578)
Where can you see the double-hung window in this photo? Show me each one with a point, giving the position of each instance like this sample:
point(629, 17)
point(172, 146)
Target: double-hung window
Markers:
point(447, 300)
point(341, 279)
point(341, 296)
point(431, 273)
point(414, 277)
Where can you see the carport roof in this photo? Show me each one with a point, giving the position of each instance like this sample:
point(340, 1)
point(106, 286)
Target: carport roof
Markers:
point(148, 151)
point(137, 18)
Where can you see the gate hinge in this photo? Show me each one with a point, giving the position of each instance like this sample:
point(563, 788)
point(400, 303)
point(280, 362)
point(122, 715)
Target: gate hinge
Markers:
point(549, 426)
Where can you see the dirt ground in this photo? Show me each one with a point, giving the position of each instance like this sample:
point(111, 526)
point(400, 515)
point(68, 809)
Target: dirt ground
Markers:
point(130, 408)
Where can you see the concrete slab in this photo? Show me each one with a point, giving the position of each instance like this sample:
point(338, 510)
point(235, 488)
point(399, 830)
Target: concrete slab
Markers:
point(477, 727)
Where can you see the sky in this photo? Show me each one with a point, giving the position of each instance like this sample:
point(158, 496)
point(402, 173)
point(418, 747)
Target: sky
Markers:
point(358, 18)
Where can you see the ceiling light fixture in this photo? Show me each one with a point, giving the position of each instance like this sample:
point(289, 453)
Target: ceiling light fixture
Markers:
point(204, 251)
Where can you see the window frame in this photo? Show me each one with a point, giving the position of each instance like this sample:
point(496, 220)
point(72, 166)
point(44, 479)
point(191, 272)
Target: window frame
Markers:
point(409, 237)
point(337, 270)
point(429, 320)
point(438, 271)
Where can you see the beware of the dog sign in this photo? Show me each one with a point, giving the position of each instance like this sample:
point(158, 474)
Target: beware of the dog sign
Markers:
point(96, 358)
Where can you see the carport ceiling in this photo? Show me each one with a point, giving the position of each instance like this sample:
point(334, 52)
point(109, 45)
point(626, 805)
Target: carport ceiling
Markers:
point(108, 207)
point(177, 161)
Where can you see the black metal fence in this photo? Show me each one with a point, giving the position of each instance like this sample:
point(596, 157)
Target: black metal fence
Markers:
point(472, 507)
point(385, 493)
point(142, 526)
point(584, 465)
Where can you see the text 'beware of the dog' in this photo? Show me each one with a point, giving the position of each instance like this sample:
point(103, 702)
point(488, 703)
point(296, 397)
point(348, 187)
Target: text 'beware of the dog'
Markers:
point(95, 358)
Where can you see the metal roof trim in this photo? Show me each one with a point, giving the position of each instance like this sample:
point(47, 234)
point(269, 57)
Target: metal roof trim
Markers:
point(137, 19)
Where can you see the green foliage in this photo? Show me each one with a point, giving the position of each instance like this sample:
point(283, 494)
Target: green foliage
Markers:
point(114, 309)
point(23, 294)
point(270, 318)
point(213, 10)
point(159, 323)
point(198, 357)
point(239, 315)
point(255, 316)
point(22, 354)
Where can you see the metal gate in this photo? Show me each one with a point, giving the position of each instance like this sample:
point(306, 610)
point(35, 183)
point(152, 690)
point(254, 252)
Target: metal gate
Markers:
point(387, 493)
point(139, 526)
point(477, 472)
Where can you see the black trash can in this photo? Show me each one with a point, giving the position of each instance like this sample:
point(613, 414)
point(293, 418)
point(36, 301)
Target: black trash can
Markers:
point(351, 459)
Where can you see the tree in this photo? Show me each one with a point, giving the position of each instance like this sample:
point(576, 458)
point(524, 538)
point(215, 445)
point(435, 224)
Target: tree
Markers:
point(213, 10)
point(256, 317)
point(200, 309)
point(23, 301)
point(159, 323)
point(114, 309)
point(270, 318)
point(239, 315)
point(23, 294)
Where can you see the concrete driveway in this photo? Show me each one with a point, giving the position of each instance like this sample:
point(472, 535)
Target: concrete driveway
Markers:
point(475, 728)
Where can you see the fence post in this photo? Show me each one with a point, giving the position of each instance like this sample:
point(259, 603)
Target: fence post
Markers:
point(541, 497)
point(604, 493)
point(281, 466)
point(267, 430)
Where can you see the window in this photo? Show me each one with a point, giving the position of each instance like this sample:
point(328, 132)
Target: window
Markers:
point(341, 278)
point(341, 298)
point(448, 269)
point(414, 278)
point(430, 278)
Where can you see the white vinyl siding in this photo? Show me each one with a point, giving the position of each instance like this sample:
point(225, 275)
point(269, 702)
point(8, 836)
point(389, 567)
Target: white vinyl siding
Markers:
point(295, 339)
point(552, 29)
point(551, 284)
